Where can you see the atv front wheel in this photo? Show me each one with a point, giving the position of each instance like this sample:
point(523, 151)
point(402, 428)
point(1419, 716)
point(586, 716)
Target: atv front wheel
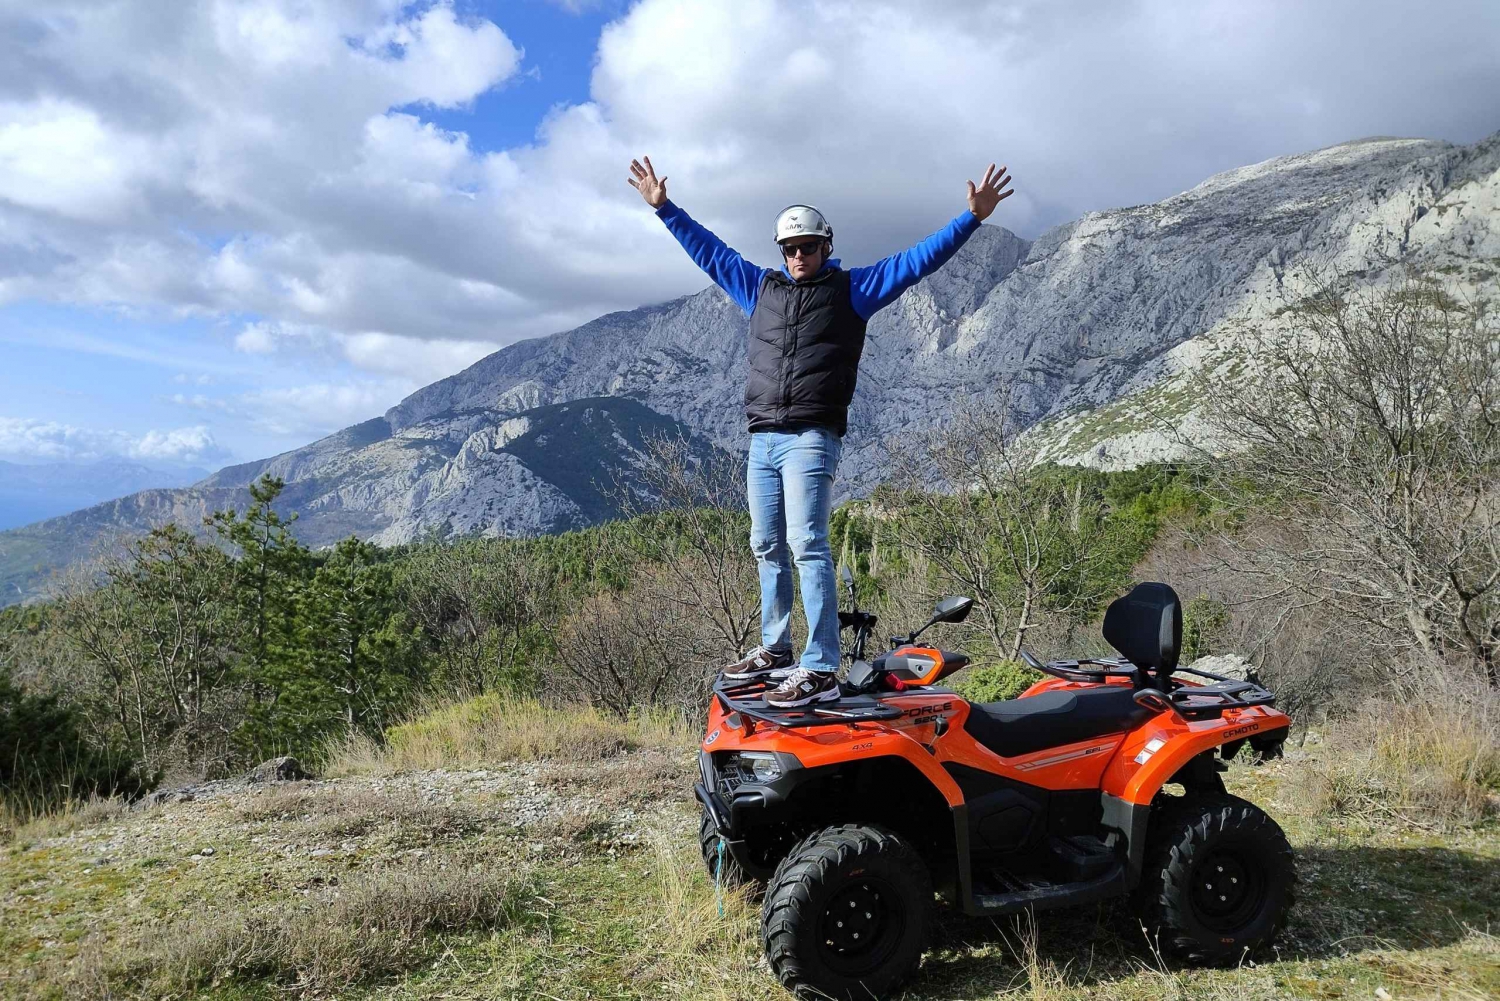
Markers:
point(721, 865)
point(1218, 879)
point(845, 915)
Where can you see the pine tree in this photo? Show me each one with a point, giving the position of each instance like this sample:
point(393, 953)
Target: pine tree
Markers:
point(270, 569)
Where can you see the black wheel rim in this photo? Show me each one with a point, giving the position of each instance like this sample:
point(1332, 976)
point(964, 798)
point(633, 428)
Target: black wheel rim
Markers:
point(860, 927)
point(1229, 890)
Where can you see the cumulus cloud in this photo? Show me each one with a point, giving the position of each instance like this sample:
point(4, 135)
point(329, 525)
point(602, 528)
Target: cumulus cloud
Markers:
point(319, 408)
point(415, 360)
point(275, 159)
point(33, 440)
point(305, 411)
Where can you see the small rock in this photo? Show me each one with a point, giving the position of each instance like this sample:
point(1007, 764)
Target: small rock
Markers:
point(206, 852)
point(162, 797)
point(1228, 665)
point(282, 769)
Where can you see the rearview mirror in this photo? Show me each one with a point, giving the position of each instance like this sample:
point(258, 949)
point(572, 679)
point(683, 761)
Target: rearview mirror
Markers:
point(846, 575)
point(953, 608)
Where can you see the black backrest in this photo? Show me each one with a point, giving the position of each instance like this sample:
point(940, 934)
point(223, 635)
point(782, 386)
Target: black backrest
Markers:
point(1145, 626)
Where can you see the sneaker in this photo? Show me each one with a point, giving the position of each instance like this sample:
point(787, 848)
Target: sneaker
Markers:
point(803, 687)
point(760, 661)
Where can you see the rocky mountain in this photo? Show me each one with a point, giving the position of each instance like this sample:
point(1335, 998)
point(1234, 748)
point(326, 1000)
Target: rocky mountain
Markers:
point(1086, 322)
point(475, 471)
point(33, 491)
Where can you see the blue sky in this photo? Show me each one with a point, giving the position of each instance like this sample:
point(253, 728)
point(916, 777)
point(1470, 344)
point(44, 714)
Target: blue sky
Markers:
point(228, 227)
point(130, 370)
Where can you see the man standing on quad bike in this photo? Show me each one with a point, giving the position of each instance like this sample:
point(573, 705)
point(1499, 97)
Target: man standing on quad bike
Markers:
point(807, 330)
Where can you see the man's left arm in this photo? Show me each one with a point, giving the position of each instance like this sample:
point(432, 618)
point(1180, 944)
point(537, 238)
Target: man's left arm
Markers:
point(877, 286)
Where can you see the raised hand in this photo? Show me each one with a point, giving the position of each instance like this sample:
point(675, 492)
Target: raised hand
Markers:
point(994, 189)
point(644, 180)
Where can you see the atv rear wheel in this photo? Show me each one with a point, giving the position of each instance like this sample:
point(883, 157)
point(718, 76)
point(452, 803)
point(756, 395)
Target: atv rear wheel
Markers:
point(846, 914)
point(1218, 879)
point(721, 865)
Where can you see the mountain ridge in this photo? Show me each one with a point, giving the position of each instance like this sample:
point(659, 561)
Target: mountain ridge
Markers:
point(1091, 313)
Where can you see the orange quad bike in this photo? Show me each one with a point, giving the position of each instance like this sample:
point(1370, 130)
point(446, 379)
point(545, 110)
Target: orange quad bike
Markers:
point(854, 813)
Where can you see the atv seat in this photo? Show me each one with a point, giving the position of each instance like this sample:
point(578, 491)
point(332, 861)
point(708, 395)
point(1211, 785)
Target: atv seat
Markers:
point(1052, 719)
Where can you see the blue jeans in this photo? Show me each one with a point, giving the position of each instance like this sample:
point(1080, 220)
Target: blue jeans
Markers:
point(790, 487)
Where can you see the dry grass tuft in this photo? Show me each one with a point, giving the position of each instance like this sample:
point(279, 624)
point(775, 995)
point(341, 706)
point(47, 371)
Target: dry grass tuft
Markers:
point(374, 926)
point(492, 728)
point(335, 811)
point(694, 952)
point(1467, 970)
point(1432, 761)
point(640, 780)
point(24, 825)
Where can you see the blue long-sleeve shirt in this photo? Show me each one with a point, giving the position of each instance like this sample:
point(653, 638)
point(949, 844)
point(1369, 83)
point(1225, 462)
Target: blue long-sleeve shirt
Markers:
point(870, 289)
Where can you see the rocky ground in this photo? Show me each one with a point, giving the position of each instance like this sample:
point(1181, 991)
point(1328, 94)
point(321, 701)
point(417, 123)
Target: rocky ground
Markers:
point(571, 880)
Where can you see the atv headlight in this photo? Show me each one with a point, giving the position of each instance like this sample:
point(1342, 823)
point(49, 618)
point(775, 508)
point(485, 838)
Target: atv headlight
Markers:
point(762, 764)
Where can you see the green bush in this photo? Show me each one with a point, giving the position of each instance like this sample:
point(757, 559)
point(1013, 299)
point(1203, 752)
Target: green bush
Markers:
point(1204, 621)
point(45, 760)
point(1004, 680)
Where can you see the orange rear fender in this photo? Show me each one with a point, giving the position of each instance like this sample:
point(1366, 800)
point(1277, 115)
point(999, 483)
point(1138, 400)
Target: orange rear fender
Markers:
point(1158, 749)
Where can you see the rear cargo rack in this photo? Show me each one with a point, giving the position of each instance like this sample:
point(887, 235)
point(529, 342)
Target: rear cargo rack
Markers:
point(748, 699)
point(1198, 702)
point(1192, 701)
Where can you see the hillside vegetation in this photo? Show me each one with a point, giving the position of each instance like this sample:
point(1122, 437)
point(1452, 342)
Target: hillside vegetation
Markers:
point(504, 729)
point(475, 860)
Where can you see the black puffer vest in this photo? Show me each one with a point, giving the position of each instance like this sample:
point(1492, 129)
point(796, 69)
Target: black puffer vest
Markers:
point(803, 355)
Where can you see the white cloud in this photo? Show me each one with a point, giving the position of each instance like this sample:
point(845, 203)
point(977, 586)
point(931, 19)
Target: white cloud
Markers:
point(256, 339)
point(58, 157)
point(34, 440)
point(180, 445)
point(320, 408)
point(136, 136)
point(414, 360)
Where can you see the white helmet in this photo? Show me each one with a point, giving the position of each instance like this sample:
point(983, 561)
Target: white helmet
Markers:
point(801, 220)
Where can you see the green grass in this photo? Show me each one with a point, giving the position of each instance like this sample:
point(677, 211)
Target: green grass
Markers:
point(602, 915)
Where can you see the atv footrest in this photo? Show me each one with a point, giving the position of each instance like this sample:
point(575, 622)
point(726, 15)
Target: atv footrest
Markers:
point(1082, 855)
point(1041, 895)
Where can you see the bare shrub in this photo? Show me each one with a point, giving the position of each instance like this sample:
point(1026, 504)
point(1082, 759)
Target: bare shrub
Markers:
point(636, 650)
point(688, 520)
point(1427, 754)
point(482, 601)
point(1318, 662)
point(1019, 543)
point(1372, 432)
point(159, 635)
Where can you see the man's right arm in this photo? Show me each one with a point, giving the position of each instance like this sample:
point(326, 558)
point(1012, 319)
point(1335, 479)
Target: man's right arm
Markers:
point(726, 267)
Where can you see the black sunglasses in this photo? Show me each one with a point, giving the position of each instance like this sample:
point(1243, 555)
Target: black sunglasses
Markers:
point(804, 249)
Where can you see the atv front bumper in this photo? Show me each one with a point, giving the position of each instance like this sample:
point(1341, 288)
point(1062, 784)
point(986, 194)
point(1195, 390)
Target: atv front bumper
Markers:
point(736, 805)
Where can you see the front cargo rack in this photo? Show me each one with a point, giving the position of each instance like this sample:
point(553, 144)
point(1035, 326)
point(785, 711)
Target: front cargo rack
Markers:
point(748, 699)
